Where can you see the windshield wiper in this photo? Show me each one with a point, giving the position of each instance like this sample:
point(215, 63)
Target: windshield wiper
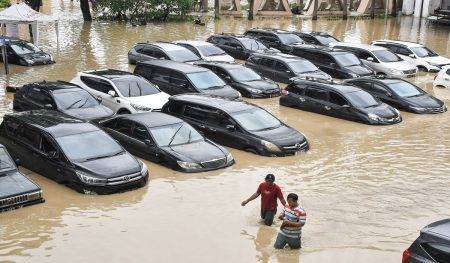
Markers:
point(269, 128)
point(102, 156)
point(140, 89)
point(84, 103)
point(175, 134)
point(73, 104)
point(215, 87)
point(416, 95)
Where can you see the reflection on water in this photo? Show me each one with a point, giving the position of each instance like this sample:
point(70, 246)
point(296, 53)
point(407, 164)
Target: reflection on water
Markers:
point(367, 190)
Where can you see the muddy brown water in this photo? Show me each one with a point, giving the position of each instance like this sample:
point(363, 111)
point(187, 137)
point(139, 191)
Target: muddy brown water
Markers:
point(367, 190)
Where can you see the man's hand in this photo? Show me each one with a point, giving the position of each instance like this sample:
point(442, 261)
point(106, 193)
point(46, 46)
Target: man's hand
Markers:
point(244, 203)
point(281, 217)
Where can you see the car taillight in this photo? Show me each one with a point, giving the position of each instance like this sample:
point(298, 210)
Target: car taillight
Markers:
point(284, 92)
point(406, 256)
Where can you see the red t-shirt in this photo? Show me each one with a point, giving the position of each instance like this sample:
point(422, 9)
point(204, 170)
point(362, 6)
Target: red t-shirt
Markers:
point(269, 196)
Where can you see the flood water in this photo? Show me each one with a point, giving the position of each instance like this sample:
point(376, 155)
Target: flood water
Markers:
point(367, 190)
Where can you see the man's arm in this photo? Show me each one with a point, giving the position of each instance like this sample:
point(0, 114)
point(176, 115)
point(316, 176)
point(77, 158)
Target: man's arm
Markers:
point(253, 197)
point(281, 197)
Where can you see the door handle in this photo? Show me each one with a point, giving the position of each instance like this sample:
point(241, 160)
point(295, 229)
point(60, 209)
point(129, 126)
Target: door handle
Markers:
point(201, 126)
point(301, 99)
point(213, 130)
point(327, 108)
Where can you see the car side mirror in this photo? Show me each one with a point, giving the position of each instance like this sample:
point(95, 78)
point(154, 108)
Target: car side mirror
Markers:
point(345, 106)
point(231, 128)
point(48, 106)
point(239, 48)
point(52, 155)
point(412, 56)
point(112, 93)
point(227, 78)
point(17, 161)
point(388, 94)
point(149, 143)
point(288, 71)
point(370, 59)
point(99, 99)
point(333, 65)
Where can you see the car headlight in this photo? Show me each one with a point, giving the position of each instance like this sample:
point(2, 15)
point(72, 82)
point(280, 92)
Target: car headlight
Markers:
point(270, 146)
point(353, 75)
point(229, 158)
point(255, 90)
point(90, 179)
point(330, 78)
point(140, 107)
point(31, 62)
point(188, 165)
point(374, 117)
point(419, 109)
point(396, 71)
point(144, 169)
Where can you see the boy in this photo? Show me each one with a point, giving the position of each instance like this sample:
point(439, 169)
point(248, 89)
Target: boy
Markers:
point(294, 218)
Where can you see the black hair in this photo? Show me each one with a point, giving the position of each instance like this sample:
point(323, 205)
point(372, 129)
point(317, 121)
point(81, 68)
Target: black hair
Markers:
point(293, 196)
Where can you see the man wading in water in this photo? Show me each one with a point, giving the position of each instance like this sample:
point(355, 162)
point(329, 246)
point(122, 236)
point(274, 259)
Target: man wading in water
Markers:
point(269, 192)
point(294, 218)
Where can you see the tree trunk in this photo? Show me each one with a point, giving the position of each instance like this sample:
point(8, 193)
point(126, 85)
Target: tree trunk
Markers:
point(316, 3)
point(250, 10)
point(372, 9)
point(344, 9)
point(84, 5)
point(216, 9)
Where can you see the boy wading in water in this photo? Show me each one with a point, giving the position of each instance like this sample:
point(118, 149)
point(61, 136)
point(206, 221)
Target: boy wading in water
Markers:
point(294, 218)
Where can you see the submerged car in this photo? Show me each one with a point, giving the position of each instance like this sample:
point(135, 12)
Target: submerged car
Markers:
point(16, 189)
point(400, 94)
point(205, 50)
point(282, 40)
point(24, 53)
point(60, 96)
point(167, 140)
point(71, 152)
point(237, 124)
point(443, 77)
point(316, 38)
point(433, 244)
point(249, 83)
point(160, 50)
point(338, 100)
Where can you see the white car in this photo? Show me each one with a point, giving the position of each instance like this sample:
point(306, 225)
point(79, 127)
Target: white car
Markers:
point(206, 50)
point(443, 77)
point(421, 56)
point(380, 59)
point(122, 91)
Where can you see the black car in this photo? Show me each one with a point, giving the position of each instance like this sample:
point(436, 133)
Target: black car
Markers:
point(400, 94)
point(283, 67)
point(433, 244)
point(316, 38)
point(71, 152)
point(239, 46)
point(24, 53)
point(16, 189)
point(338, 63)
point(244, 80)
point(177, 78)
point(61, 96)
point(237, 124)
point(160, 50)
point(282, 40)
point(167, 140)
point(338, 100)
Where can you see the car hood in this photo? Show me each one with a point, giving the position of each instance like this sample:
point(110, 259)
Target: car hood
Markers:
point(225, 91)
point(221, 58)
point(361, 70)
point(15, 183)
point(260, 84)
point(113, 166)
point(96, 112)
point(400, 65)
point(196, 152)
point(383, 110)
point(438, 60)
point(315, 74)
point(267, 51)
point(37, 57)
point(154, 101)
point(425, 101)
point(282, 135)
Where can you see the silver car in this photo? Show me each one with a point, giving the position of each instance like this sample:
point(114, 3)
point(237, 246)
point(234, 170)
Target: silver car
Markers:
point(160, 50)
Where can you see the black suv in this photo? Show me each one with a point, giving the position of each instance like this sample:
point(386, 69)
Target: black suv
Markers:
point(239, 46)
point(339, 64)
point(24, 53)
point(237, 124)
point(338, 100)
point(177, 78)
point(316, 38)
point(249, 83)
point(400, 94)
point(282, 40)
point(62, 96)
point(71, 151)
point(283, 67)
point(16, 189)
point(160, 50)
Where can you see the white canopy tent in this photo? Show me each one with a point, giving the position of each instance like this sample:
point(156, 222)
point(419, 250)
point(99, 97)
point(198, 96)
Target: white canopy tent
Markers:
point(21, 13)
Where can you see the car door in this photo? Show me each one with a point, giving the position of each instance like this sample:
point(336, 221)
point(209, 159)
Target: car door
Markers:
point(57, 166)
point(370, 60)
point(296, 95)
point(405, 53)
point(100, 88)
point(224, 43)
point(161, 77)
point(339, 107)
point(315, 99)
point(386, 95)
point(266, 68)
point(179, 84)
point(281, 72)
point(226, 130)
point(270, 40)
point(326, 63)
point(143, 144)
point(236, 48)
point(147, 53)
point(31, 157)
point(33, 99)
point(196, 116)
point(120, 130)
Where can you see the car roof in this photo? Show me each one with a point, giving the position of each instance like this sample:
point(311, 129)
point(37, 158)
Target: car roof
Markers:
point(231, 35)
point(441, 228)
point(224, 65)
point(324, 49)
point(272, 30)
point(167, 46)
point(279, 56)
point(194, 43)
point(226, 105)
point(379, 79)
point(363, 46)
point(55, 86)
point(406, 43)
point(109, 73)
point(179, 66)
point(56, 123)
point(340, 87)
point(151, 119)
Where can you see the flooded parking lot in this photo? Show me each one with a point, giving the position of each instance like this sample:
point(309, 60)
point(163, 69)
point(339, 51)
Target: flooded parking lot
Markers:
point(367, 190)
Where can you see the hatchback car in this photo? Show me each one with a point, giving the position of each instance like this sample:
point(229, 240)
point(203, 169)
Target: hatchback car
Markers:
point(167, 140)
point(400, 94)
point(316, 38)
point(433, 244)
point(283, 67)
point(244, 80)
point(418, 54)
point(206, 51)
point(122, 91)
point(443, 77)
point(60, 96)
point(24, 53)
point(237, 124)
point(160, 50)
point(177, 78)
point(380, 59)
point(16, 189)
point(71, 152)
point(338, 100)
point(282, 40)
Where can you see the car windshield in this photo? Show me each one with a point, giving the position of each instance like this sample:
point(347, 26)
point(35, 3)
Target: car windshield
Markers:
point(205, 80)
point(210, 50)
point(134, 86)
point(88, 146)
point(423, 52)
point(256, 120)
point(289, 39)
point(386, 56)
point(253, 44)
point(74, 99)
point(302, 66)
point(244, 74)
point(182, 55)
point(6, 163)
point(175, 134)
point(361, 99)
point(325, 40)
point(347, 60)
point(22, 48)
point(405, 89)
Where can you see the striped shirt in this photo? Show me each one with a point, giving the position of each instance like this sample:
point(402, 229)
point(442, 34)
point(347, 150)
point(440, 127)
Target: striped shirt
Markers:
point(296, 214)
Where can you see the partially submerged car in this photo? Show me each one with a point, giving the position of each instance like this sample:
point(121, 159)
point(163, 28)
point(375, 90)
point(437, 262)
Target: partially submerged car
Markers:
point(24, 53)
point(443, 77)
point(147, 51)
point(205, 50)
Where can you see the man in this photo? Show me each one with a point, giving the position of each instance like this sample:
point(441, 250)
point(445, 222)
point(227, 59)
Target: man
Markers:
point(269, 192)
point(294, 218)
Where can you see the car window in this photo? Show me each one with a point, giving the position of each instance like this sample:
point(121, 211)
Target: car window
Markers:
point(47, 146)
point(22, 47)
point(148, 51)
point(315, 93)
point(386, 56)
point(326, 39)
point(205, 80)
point(138, 47)
point(191, 48)
point(424, 52)
point(405, 89)
point(97, 84)
point(324, 59)
point(139, 132)
point(110, 124)
point(160, 75)
point(378, 88)
point(203, 114)
point(6, 163)
point(244, 74)
point(134, 86)
point(266, 62)
point(268, 38)
point(11, 127)
point(403, 51)
point(221, 72)
point(438, 251)
point(279, 66)
point(363, 84)
point(233, 43)
point(448, 71)
point(296, 89)
point(124, 126)
point(175, 107)
point(178, 79)
point(289, 39)
point(253, 44)
point(364, 55)
point(302, 66)
point(210, 50)
point(361, 99)
point(182, 55)
point(256, 119)
point(337, 99)
point(39, 96)
point(29, 136)
point(159, 54)
point(222, 41)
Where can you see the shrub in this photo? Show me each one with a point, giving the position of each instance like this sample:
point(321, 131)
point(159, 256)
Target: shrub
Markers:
point(4, 3)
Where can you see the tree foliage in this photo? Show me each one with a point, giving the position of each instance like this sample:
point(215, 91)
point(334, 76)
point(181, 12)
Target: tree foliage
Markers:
point(4, 3)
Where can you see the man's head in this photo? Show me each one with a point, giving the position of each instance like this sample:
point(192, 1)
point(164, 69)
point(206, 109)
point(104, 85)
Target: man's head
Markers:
point(270, 178)
point(292, 199)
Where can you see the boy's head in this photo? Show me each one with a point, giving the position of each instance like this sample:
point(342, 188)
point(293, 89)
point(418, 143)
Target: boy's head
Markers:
point(292, 199)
